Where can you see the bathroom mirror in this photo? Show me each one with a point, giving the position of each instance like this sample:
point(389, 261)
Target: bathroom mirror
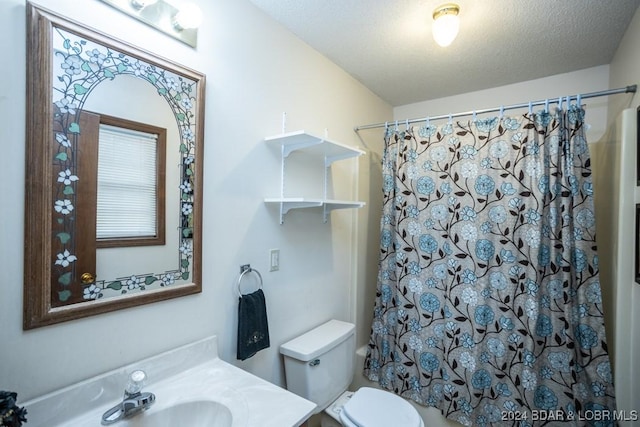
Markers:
point(78, 81)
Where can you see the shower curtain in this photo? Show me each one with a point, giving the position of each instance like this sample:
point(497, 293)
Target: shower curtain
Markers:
point(488, 303)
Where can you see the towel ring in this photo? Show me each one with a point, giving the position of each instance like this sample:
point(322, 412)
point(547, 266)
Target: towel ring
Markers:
point(248, 270)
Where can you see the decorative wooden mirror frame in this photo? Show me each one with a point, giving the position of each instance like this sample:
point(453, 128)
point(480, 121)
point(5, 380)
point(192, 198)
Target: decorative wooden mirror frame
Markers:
point(53, 292)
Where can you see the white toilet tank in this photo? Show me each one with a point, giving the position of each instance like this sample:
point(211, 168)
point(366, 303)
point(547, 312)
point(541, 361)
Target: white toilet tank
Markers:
point(319, 364)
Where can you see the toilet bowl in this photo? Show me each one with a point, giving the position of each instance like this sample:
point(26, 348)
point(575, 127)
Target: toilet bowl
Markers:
point(319, 366)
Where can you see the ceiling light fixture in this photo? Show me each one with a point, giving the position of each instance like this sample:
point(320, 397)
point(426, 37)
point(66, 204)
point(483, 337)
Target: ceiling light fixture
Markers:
point(141, 4)
point(180, 22)
point(446, 23)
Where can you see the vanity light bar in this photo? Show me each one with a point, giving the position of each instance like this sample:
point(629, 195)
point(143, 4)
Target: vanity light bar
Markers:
point(160, 15)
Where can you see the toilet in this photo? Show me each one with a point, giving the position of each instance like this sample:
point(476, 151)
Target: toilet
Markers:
point(319, 366)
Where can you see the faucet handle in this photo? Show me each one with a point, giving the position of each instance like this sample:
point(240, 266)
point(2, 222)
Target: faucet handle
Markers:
point(136, 382)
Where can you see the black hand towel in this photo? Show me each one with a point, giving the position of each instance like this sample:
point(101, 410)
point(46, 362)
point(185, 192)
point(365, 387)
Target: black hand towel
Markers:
point(253, 330)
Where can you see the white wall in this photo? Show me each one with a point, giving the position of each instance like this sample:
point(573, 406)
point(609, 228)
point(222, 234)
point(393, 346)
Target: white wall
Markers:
point(625, 70)
point(255, 71)
point(578, 82)
point(614, 167)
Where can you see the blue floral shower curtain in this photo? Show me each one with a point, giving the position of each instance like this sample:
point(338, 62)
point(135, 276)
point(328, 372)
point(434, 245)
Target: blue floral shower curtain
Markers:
point(488, 304)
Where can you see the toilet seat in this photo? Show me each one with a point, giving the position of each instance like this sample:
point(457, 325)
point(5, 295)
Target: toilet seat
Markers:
point(370, 407)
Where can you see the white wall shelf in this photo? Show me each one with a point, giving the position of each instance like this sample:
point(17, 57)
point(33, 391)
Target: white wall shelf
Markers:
point(300, 140)
point(325, 152)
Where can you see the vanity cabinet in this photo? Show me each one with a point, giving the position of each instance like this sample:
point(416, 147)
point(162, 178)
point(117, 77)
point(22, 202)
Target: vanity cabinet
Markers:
point(305, 172)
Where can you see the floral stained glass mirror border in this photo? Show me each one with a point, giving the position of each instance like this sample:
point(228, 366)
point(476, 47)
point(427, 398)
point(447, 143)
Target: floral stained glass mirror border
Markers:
point(66, 61)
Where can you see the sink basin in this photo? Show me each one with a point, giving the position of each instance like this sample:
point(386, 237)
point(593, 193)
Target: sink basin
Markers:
point(201, 413)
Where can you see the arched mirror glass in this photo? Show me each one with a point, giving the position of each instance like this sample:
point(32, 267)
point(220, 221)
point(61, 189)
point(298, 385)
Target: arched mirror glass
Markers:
point(113, 177)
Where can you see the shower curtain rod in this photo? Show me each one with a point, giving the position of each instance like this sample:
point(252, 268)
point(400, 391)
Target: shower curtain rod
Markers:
point(628, 89)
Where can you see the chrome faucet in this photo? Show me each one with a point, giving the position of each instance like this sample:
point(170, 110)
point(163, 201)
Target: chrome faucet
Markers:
point(133, 402)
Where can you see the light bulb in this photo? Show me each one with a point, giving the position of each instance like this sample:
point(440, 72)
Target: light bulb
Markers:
point(189, 16)
point(446, 24)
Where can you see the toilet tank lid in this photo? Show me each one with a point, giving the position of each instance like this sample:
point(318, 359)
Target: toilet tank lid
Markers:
point(318, 340)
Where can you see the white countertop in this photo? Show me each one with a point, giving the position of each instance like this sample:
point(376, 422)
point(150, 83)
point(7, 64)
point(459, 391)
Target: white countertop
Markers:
point(189, 373)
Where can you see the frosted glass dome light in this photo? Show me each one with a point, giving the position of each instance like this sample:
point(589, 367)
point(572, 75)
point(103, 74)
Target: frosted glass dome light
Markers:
point(446, 24)
point(189, 16)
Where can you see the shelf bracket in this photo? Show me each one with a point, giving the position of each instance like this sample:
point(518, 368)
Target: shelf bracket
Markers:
point(290, 148)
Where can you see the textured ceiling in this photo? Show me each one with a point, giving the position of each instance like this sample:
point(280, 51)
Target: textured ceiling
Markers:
point(387, 44)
